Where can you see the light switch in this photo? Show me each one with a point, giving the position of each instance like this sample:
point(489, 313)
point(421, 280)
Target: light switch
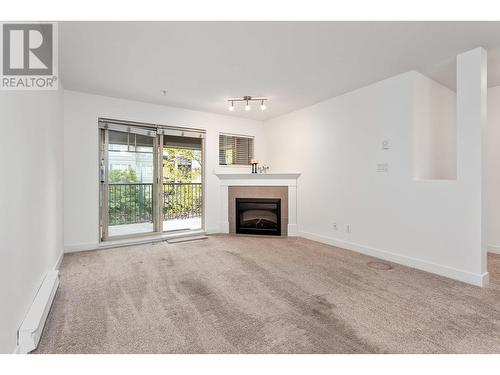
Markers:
point(382, 167)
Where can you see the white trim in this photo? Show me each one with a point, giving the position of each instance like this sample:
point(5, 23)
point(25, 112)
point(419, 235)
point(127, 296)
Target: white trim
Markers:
point(292, 230)
point(58, 261)
point(259, 179)
point(453, 273)
point(214, 230)
point(30, 331)
point(237, 135)
point(224, 227)
point(80, 247)
point(494, 249)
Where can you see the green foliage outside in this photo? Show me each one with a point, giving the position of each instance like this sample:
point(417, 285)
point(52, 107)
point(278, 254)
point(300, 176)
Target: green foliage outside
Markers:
point(181, 166)
point(175, 165)
point(123, 177)
point(131, 202)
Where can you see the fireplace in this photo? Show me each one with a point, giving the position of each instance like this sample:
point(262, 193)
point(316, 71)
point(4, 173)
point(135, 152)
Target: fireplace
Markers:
point(258, 216)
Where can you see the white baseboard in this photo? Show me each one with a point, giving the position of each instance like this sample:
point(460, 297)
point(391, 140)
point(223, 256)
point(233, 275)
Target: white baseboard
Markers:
point(494, 249)
point(452, 273)
point(73, 248)
point(58, 261)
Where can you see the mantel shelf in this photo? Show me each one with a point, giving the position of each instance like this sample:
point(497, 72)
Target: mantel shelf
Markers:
point(257, 176)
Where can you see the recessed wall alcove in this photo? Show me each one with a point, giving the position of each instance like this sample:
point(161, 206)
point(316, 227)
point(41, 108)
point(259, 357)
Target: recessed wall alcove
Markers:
point(434, 131)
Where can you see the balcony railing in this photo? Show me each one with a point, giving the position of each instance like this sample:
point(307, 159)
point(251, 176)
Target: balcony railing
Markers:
point(181, 200)
point(133, 203)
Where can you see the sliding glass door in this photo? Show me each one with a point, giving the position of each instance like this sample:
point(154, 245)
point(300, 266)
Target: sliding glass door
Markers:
point(151, 180)
point(128, 182)
point(182, 174)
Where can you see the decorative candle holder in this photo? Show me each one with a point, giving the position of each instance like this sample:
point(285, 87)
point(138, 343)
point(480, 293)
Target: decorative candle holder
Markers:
point(263, 169)
point(254, 163)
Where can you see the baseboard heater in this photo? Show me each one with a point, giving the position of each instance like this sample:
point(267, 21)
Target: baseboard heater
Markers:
point(31, 329)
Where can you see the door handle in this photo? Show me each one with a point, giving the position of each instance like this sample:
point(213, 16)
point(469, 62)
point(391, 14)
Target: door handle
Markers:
point(103, 172)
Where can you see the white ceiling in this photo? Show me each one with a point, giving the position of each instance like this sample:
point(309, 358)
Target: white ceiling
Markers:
point(295, 64)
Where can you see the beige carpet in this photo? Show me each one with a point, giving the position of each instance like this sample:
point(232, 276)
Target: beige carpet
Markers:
point(233, 294)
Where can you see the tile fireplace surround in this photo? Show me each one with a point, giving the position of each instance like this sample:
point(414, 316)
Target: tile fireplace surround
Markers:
point(288, 180)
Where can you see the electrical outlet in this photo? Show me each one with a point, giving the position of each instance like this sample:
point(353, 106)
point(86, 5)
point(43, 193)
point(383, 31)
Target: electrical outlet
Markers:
point(335, 227)
point(348, 228)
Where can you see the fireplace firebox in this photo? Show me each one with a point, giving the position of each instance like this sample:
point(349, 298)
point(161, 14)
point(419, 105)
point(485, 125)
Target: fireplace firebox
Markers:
point(258, 216)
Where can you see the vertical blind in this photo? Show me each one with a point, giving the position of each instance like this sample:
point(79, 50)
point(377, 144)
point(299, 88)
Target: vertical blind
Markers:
point(235, 149)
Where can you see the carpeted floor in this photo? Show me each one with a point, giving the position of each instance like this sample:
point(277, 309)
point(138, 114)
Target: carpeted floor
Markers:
point(232, 294)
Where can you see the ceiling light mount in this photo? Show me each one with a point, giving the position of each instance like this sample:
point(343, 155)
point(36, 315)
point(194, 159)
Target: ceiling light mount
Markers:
point(247, 99)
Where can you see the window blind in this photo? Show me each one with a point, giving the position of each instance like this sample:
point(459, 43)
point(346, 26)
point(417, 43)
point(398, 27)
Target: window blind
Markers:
point(235, 149)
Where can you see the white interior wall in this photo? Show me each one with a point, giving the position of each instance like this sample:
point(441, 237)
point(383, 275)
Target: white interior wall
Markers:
point(81, 200)
point(336, 145)
point(435, 132)
point(493, 170)
point(31, 221)
point(471, 156)
point(370, 202)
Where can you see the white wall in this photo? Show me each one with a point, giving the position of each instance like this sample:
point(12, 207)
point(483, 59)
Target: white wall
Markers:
point(471, 157)
point(336, 145)
point(435, 131)
point(493, 169)
point(31, 234)
point(81, 200)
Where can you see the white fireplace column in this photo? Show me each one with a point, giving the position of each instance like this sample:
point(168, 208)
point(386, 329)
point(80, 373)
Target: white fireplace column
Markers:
point(256, 179)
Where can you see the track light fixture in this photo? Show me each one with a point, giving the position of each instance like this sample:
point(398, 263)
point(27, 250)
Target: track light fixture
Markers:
point(247, 99)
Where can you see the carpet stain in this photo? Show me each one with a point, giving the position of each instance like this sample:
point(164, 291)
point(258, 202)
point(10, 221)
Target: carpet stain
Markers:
point(168, 260)
point(313, 314)
point(219, 311)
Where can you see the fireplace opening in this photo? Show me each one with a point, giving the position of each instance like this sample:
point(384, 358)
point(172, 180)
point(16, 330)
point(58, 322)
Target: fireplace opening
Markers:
point(258, 216)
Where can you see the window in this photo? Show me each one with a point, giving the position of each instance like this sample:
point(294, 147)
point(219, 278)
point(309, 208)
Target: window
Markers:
point(235, 149)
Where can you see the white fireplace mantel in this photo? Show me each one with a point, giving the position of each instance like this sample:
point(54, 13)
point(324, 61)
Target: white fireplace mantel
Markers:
point(260, 179)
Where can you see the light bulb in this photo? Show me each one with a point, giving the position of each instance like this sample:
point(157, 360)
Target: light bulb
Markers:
point(247, 107)
point(231, 107)
point(262, 106)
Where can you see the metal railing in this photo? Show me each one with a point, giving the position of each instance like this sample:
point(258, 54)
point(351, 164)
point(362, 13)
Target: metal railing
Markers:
point(131, 203)
point(181, 200)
